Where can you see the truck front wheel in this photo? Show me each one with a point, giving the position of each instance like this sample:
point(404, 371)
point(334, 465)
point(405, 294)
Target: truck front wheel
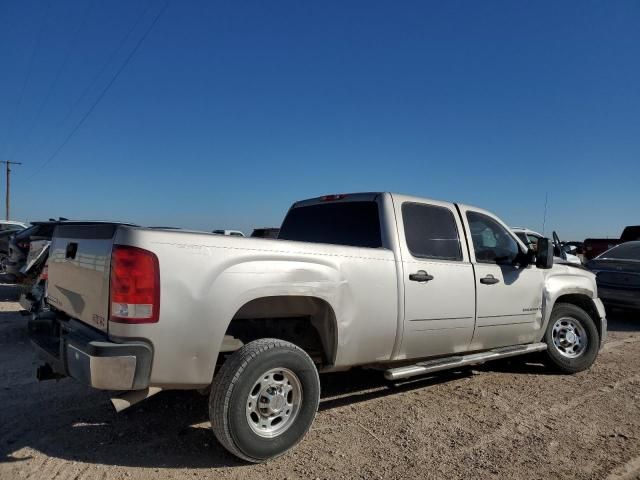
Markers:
point(264, 399)
point(572, 339)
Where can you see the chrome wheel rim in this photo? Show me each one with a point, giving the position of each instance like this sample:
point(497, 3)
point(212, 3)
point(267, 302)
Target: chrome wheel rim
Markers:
point(274, 402)
point(569, 337)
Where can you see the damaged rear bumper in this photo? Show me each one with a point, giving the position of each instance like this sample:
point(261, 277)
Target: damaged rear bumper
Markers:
point(71, 348)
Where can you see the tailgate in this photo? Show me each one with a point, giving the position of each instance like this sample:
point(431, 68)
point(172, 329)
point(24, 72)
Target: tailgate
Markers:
point(79, 269)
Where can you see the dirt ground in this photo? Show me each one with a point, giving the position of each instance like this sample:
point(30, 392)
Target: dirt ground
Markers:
point(504, 420)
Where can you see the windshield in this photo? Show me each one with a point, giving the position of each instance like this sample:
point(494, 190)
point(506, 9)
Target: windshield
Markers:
point(624, 251)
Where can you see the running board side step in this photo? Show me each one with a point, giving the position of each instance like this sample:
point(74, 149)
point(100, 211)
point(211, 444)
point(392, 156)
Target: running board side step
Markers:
point(457, 361)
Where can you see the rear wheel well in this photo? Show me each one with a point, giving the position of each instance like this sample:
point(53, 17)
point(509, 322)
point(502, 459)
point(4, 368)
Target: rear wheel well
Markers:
point(308, 322)
point(585, 303)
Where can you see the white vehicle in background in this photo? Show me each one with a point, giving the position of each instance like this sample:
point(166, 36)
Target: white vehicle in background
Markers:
point(530, 238)
point(12, 225)
point(230, 233)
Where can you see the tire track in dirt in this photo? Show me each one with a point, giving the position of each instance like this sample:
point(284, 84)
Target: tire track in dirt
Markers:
point(628, 471)
point(530, 417)
point(616, 344)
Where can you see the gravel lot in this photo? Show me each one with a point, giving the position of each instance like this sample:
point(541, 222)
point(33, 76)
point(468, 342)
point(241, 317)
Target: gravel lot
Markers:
point(504, 420)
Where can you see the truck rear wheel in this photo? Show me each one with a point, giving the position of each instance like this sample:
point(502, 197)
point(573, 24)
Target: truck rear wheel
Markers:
point(572, 339)
point(264, 399)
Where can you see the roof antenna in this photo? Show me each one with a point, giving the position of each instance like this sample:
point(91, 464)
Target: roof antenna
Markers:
point(544, 218)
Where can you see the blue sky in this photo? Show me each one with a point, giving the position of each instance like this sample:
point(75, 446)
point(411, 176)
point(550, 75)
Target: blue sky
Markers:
point(228, 112)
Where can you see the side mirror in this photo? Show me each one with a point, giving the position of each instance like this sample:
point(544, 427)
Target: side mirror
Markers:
point(544, 255)
point(524, 259)
point(570, 249)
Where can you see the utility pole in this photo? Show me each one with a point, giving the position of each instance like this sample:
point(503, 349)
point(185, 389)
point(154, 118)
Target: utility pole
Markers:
point(8, 197)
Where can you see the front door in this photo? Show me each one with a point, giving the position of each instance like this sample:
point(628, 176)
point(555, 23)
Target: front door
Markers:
point(439, 291)
point(509, 298)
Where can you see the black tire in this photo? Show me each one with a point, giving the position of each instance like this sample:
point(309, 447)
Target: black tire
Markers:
point(234, 382)
point(586, 358)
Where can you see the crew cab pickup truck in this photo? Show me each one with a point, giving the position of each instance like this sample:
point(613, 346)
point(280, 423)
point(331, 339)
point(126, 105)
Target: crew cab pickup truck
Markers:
point(402, 284)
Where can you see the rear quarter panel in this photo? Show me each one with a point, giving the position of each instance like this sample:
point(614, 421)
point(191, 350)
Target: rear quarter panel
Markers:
point(206, 279)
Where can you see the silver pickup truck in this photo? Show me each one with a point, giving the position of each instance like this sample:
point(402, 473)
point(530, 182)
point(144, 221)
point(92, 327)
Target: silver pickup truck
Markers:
point(405, 285)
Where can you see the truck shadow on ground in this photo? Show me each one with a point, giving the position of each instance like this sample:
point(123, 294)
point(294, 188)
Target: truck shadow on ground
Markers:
point(68, 421)
point(170, 430)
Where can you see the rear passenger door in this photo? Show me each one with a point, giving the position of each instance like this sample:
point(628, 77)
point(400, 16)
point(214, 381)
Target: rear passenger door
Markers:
point(439, 292)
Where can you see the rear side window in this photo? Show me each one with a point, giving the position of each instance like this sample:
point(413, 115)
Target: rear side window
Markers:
point(431, 232)
point(355, 224)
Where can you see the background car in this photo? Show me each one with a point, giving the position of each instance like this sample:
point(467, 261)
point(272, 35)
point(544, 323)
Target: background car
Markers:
point(618, 275)
point(20, 243)
point(530, 238)
point(595, 246)
point(7, 230)
point(12, 225)
point(232, 233)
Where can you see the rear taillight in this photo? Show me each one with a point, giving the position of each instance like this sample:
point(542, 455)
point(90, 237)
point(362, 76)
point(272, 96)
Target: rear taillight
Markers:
point(135, 285)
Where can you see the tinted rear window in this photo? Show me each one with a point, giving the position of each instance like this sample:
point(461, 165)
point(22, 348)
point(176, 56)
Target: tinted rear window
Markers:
point(344, 223)
point(431, 232)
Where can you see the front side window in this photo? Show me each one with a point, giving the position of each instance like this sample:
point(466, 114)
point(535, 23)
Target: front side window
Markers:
point(492, 242)
point(431, 232)
point(522, 236)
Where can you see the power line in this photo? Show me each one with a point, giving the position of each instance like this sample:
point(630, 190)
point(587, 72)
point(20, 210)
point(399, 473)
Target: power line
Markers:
point(104, 91)
point(53, 84)
point(11, 125)
point(99, 73)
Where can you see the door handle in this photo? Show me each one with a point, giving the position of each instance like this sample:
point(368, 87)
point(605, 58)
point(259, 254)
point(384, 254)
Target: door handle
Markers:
point(489, 280)
point(420, 276)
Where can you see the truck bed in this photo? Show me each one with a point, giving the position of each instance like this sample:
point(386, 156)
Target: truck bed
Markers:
point(206, 279)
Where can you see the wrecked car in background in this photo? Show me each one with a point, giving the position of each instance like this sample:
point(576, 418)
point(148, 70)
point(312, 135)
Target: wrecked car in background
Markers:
point(618, 276)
